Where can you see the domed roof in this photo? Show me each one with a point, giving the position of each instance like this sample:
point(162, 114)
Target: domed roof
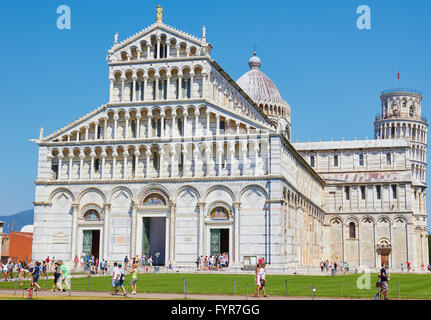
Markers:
point(27, 228)
point(257, 85)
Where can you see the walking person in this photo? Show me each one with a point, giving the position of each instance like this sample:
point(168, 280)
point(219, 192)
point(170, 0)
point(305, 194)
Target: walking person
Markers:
point(44, 269)
point(257, 281)
point(64, 275)
point(35, 276)
point(262, 279)
point(57, 283)
point(383, 283)
point(134, 272)
point(121, 278)
point(115, 278)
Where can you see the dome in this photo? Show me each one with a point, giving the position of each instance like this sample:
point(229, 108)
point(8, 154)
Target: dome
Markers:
point(27, 228)
point(257, 85)
point(265, 94)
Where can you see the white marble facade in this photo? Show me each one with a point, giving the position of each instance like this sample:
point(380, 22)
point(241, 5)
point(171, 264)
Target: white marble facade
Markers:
point(181, 152)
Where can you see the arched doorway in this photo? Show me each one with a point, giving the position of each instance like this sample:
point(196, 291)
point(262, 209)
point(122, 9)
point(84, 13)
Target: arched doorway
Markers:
point(153, 226)
point(384, 249)
point(219, 229)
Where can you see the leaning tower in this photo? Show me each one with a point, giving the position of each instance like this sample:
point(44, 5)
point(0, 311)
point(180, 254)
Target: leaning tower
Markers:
point(401, 118)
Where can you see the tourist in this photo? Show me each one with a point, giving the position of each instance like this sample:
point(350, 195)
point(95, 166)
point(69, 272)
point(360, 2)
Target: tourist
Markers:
point(64, 275)
point(143, 258)
point(10, 266)
point(57, 275)
point(44, 270)
point(409, 266)
point(35, 276)
point(383, 285)
point(150, 261)
point(75, 261)
point(402, 266)
point(126, 262)
point(105, 267)
point(121, 278)
point(115, 278)
point(262, 278)
point(197, 263)
point(134, 272)
point(4, 271)
point(257, 281)
point(321, 266)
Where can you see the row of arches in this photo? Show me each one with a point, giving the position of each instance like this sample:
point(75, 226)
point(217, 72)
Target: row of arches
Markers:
point(157, 46)
point(229, 158)
point(158, 121)
point(394, 130)
point(164, 195)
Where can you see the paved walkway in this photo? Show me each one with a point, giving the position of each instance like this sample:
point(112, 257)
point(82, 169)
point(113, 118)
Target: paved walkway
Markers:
point(152, 296)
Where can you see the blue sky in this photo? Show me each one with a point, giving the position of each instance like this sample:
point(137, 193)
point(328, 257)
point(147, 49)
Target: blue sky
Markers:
point(330, 72)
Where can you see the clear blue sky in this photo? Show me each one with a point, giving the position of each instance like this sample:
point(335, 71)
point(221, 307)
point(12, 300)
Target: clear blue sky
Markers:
point(330, 72)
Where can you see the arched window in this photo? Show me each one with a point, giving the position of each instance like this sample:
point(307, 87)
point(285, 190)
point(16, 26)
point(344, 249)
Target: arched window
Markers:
point(91, 215)
point(352, 230)
point(219, 213)
point(154, 199)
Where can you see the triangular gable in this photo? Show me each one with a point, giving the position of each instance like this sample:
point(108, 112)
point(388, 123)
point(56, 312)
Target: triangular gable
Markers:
point(161, 28)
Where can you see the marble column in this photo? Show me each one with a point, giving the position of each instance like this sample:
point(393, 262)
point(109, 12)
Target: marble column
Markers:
point(201, 226)
point(236, 239)
point(133, 230)
point(74, 240)
point(106, 231)
point(172, 232)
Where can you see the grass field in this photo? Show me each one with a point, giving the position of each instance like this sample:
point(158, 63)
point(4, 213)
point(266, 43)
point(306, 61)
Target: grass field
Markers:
point(412, 286)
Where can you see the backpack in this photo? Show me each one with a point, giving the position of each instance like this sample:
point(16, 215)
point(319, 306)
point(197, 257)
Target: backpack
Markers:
point(122, 277)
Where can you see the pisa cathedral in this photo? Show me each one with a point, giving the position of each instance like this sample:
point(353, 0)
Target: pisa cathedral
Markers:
point(185, 161)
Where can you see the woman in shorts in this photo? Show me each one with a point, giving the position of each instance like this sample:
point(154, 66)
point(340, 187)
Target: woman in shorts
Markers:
point(134, 272)
point(257, 281)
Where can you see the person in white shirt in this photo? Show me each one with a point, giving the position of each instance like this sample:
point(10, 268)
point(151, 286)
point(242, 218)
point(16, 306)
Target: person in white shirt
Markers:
point(262, 278)
point(115, 278)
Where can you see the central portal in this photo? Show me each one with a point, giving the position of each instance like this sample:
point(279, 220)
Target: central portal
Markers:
point(91, 242)
point(219, 241)
point(154, 239)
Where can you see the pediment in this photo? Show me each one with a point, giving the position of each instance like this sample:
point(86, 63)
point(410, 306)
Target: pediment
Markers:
point(148, 36)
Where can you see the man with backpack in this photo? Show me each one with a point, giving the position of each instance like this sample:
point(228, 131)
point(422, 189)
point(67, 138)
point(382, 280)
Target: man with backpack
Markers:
point(383, 283)
point(122, 277)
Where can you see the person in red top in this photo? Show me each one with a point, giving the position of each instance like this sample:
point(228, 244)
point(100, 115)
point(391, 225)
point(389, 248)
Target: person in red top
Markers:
point(75, 261)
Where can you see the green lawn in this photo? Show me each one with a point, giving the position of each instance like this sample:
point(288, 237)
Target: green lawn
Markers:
point(412, 286)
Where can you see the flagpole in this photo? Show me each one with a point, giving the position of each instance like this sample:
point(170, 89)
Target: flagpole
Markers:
point(399, 80)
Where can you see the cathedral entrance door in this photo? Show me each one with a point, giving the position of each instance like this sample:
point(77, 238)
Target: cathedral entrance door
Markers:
point(91, 242)
point(219, 241)
point(154, 239)
point(385, 259)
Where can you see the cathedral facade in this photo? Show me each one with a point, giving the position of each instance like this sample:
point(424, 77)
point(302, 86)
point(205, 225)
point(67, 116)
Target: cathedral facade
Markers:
point(183, 161)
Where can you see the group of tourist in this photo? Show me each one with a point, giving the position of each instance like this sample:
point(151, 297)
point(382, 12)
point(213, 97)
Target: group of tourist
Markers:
point(118, 275)
point(214, 262)
point(341, 267)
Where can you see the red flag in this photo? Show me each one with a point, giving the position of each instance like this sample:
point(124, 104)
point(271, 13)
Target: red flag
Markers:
point(398, 75)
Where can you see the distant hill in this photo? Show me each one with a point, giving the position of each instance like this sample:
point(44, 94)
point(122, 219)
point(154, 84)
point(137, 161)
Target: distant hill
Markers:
point(17, 221)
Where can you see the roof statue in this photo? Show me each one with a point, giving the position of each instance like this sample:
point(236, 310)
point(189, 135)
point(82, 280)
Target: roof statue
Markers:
point(204, 34)
point(159, 13)
point(41, 133)
point(116, 38)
